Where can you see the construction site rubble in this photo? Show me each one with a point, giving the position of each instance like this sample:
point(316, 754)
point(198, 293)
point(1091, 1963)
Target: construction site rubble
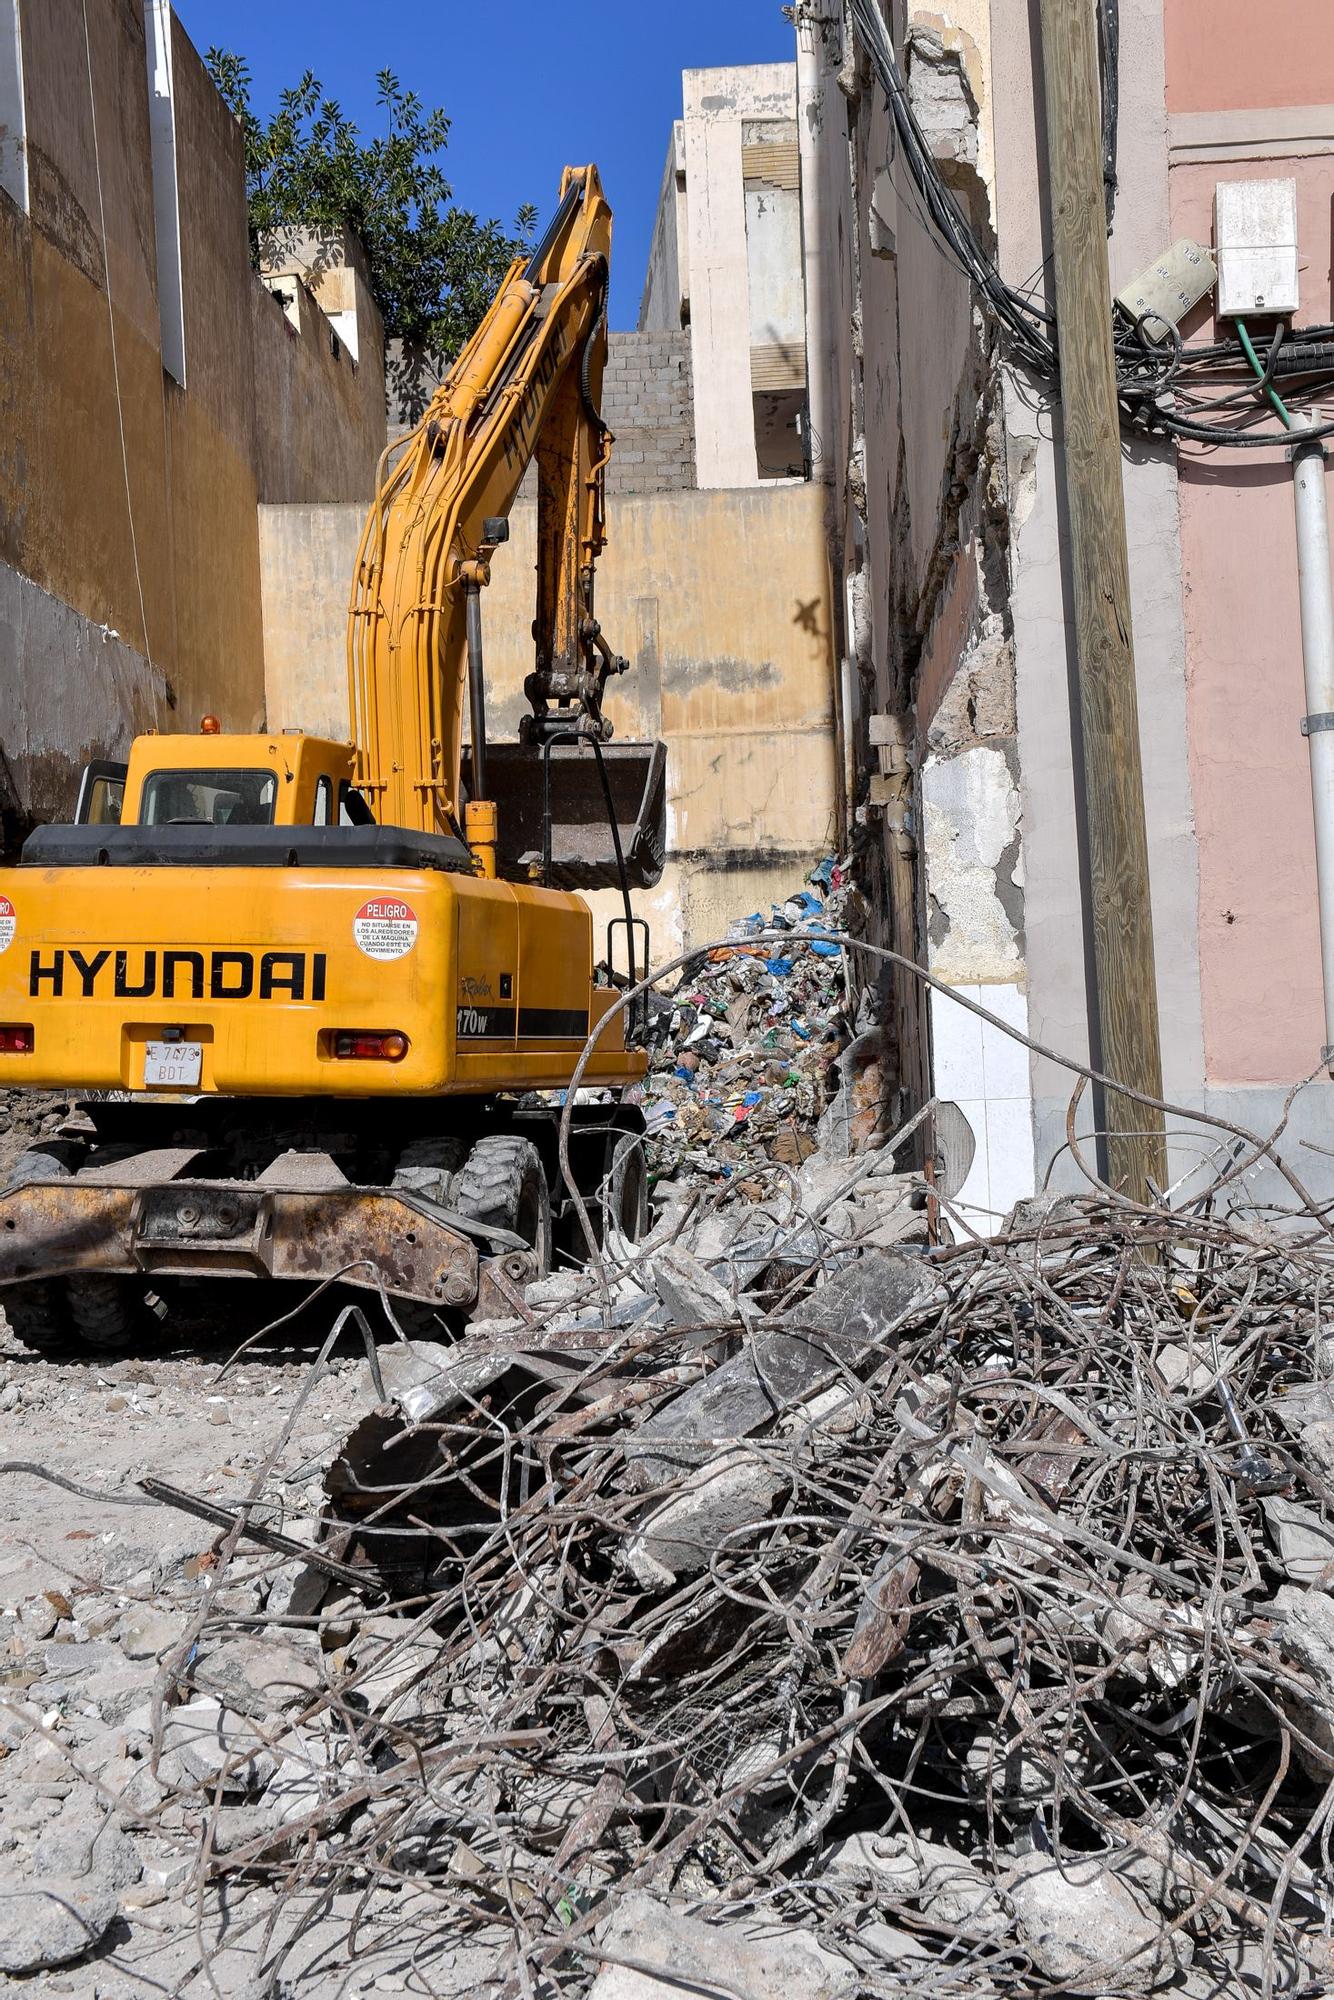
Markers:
point(811, 1599)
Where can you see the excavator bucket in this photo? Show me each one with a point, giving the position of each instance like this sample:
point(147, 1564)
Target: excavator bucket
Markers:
point(551, 805)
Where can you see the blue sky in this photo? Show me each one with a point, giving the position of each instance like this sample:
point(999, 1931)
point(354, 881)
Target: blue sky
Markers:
point(529, 86)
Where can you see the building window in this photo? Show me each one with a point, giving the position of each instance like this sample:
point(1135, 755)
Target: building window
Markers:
point(166, 196)
point(13, 121)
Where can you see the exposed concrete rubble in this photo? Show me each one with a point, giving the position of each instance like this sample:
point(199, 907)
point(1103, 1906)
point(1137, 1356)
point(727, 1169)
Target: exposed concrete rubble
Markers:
point(797, 1602)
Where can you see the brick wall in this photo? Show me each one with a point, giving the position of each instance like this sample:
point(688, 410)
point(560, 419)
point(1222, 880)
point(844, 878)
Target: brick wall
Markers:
point(646, 398)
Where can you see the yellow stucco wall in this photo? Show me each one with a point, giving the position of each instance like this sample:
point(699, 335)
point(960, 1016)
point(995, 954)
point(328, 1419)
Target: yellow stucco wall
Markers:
point(720, 600)
point(153, 554)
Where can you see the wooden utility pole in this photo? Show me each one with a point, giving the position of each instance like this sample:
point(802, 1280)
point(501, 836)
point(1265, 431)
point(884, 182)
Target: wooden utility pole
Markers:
point(1127, 998)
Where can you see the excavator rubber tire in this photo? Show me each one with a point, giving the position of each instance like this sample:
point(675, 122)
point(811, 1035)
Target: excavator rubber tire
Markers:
point(625, 1199)
point(503, 1182)
point(38, 1316)
point(109, 1313)
point(38, 1313)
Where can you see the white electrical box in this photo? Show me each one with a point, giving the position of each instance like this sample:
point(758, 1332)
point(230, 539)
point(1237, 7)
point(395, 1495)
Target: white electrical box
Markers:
point(1255, 237)
point(1165, 293)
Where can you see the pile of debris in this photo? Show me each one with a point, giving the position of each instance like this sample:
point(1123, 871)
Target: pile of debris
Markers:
point(746, 1048)
point(795, 1607)
point(797, 1603)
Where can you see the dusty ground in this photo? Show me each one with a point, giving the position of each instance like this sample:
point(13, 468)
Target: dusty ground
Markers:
point(94, 1593)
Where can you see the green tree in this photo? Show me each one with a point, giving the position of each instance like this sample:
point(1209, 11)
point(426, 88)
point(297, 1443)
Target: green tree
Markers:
point(434, 268)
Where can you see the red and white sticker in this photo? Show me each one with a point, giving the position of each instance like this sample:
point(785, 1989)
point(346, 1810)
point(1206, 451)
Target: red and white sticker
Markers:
point(385, 928)
point(9, 923)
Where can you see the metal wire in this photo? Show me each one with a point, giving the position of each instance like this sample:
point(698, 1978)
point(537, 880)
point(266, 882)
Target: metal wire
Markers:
point(1165, 389)
point(1002, 1579)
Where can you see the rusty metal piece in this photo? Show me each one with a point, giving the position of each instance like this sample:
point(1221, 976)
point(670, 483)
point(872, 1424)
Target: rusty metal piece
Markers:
point(176, 1228)
point(227, 1518)
point(499, 1282)
point(1052, 1466)
point(883, 1620)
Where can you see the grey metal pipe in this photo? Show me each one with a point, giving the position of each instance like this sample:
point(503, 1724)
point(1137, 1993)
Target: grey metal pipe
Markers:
point(472, 594)
point(1317, 600)
point(818, 26)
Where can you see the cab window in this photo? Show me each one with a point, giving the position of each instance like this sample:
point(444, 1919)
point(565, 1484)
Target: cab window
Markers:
point(101, 795)
point(209, 798)
point(323, 801)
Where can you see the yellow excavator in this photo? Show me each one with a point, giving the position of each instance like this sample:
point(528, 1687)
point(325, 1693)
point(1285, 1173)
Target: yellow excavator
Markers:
point(319, 1001)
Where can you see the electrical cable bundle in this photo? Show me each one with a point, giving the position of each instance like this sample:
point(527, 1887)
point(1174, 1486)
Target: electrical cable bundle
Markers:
point(1166, 388)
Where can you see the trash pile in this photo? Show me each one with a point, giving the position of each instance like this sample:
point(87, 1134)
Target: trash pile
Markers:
point(745, 1049)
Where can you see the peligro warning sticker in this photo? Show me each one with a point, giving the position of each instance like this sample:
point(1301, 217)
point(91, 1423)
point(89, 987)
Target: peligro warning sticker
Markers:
point(9, 923)
point(385, 927)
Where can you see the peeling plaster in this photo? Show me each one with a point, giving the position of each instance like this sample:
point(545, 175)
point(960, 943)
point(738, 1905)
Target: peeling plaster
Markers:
point(971, 810)
point(681, 673)
point(1021, 473)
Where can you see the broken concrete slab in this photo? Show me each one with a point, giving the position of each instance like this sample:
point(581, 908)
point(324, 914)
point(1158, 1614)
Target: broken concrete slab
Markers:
point(947, 1887)
point(386, 1664)
point(1307, 1643)
point(54, 1921)
point(664, 1955)
point(1088, 1931)
point(777, 1367)
point(147, 1634)
point(207, 1744)
point(690, 1295)
point(84, 1839)
point(1316, 1445)
point(257, 1674)
point(679, 1538)
point(425, 1378)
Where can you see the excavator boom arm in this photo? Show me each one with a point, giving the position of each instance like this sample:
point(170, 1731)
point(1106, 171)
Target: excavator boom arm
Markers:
point(527, 385)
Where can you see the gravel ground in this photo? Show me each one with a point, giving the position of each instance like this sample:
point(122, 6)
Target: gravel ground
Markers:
point(93, 1596)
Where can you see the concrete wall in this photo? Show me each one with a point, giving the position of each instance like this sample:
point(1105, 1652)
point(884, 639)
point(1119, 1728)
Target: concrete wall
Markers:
point(731, 668)
point(718, 105)
point(156, 540)
point(665, 306)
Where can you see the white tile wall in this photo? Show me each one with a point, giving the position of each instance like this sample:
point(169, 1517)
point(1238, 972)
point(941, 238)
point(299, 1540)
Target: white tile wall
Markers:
point(986, 1073)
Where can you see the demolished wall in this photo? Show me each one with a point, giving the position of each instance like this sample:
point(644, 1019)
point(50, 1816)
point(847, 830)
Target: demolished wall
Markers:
point(923, 501)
